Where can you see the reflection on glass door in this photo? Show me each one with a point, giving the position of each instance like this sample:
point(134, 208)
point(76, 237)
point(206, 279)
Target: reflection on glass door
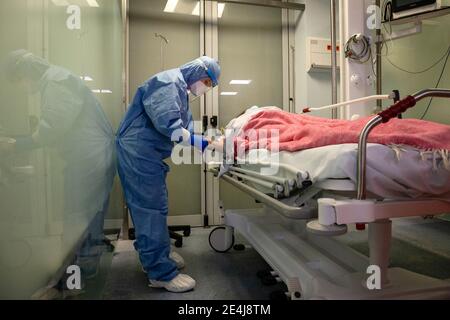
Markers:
point(61, 92)
point(165, 35)
point(251, 56)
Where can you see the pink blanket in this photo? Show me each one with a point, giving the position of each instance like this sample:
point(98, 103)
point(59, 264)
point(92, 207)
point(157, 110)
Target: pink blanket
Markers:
point(298, 132)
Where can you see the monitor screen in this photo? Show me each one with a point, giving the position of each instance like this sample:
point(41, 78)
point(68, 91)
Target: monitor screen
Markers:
point(401, 5)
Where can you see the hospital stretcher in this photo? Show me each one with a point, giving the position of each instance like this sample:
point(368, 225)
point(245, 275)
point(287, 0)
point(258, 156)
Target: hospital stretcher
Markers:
point(296, 229)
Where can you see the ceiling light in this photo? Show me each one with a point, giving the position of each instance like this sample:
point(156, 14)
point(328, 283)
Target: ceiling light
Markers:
point(221, 8)
point(101, 91)
point(86, 78)
point(228, 93)
point(196, 11)
point(171, 6)
point(92, 3)
point(60, 2)
point(241, 81)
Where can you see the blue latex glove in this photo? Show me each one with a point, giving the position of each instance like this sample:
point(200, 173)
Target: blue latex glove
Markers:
point(199, 142)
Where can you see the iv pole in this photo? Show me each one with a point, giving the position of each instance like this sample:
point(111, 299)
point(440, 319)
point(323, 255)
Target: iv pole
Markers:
point(163, 39)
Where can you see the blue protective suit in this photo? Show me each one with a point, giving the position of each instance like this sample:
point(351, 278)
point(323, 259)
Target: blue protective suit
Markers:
point(72, 121)
point(144, 140)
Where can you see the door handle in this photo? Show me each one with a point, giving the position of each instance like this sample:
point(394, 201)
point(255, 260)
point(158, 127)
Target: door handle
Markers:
point(214, 121)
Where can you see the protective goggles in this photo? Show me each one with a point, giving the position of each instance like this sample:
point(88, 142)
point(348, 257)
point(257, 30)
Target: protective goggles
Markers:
point(210, 74)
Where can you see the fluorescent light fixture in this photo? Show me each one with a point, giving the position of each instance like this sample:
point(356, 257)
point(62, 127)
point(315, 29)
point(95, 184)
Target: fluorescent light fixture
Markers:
point(86, 78)
point(229, 93)
point(60, 3)
point(220, 9)
point(171, 6)
point(196, 11)
point(101, 91)
point(241, 81)
point(93, 3)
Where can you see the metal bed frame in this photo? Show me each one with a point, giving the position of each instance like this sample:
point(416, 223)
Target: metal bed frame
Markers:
point(302, 251)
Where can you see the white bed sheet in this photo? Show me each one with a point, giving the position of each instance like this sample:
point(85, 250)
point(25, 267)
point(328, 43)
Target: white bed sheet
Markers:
point(392, 172)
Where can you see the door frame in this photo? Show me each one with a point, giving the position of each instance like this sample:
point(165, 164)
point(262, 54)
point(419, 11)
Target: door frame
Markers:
point(214, 210)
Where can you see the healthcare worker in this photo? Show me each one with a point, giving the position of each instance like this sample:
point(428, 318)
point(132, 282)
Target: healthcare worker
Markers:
point(159, 117)
point(73, 123)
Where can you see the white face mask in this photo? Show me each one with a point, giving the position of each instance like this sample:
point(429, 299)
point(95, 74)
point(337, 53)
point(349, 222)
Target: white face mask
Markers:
point(199, 88)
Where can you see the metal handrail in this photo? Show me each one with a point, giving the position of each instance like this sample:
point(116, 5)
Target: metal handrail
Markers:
point(273, 179)
point(384, 117)
point(280, 207)
point(269, 185)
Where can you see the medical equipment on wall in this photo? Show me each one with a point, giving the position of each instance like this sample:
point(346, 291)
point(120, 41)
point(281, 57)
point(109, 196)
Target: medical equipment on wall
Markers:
point(294, 230)
point(318, 54)
point(405, 8)
point(357, 48)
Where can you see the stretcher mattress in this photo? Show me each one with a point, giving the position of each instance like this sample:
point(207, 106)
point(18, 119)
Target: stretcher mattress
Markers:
point(393, 172)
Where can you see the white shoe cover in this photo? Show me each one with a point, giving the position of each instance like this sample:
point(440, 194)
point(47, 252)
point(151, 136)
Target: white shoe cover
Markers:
point(181, 283)
point(179, 261)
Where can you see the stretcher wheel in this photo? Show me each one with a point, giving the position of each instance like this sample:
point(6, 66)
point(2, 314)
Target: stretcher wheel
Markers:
point(218, 240)
point(187, 233)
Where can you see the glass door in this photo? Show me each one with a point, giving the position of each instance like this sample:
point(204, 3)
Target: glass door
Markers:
point(61, 96)
point(250, 49)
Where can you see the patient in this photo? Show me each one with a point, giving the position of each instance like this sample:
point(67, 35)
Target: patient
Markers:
point(235, 126)
point(298, 132)
point(406, 158)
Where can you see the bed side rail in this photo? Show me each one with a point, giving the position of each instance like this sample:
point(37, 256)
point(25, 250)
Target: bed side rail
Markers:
point(383, 117)
point(282, 208)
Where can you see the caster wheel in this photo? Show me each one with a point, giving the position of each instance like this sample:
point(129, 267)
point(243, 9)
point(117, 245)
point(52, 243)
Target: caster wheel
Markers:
point(178, 244)
point(217, 240)
point(239, 247)
point(187, 233)
point(131, 234)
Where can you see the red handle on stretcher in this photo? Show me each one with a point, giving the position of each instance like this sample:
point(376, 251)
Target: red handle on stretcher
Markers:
point(397, 108)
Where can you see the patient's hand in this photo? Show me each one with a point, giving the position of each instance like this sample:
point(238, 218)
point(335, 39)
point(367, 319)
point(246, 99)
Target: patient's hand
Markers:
point(217, 143)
